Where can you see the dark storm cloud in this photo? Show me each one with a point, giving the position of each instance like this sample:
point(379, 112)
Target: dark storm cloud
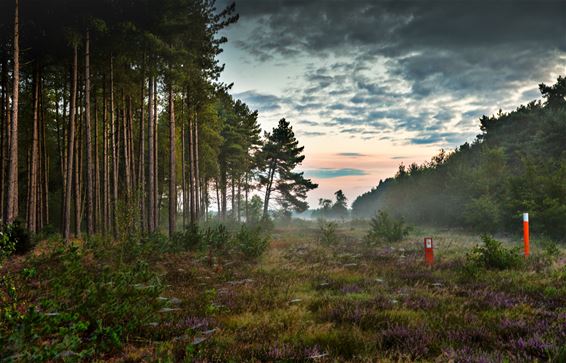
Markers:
point(484, 51)
point(395, 27)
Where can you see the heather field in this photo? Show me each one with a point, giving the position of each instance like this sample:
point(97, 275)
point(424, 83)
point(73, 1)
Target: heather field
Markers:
point(313, 295)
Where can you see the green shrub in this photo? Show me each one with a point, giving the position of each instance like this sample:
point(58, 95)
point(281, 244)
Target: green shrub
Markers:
point(190, 238)
point(327, 232)
point(384, 228)
point(216, 237)
point(251, 241)
point(493, 255)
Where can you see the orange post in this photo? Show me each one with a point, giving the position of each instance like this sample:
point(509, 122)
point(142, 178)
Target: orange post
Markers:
point(429, 252)
point(526, 234)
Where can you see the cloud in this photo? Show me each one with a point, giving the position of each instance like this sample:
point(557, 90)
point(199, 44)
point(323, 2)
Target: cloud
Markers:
point(351, 154)
point(262, 102)
point(312, 133)
point(326, 173)
point(409, 71)
point(445, 138)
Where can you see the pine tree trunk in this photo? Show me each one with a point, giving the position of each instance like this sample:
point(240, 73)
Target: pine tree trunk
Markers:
point(150, 161)
point(239, 199)
point(141, 170)
point(11, 209)
point(89, 161)
point(183, 166)
point(247, 186)
point(218, 204)
point(155, 160)
point(78, 169)
point(192, 183)
point(114, 146)
point(271, 174)
point(33, 164)
point(197, 170)
point(70, 149)
point(44, 162)
point(172, 165)
point(97, 199)
point(4, 125)
point(105, 159)
point(125, 149)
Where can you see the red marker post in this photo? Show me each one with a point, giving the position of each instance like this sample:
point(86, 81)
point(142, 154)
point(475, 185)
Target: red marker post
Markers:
point(526, 234)
point(429, 253)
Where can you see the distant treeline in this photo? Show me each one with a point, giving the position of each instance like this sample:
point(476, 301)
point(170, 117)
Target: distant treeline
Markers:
point(517, 164)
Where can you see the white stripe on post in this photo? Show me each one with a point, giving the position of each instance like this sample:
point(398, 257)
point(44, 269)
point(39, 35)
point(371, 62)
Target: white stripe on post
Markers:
point(525, 217)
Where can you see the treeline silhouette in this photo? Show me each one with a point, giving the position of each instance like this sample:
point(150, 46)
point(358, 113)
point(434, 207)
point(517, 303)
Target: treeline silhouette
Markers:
point(517, 164)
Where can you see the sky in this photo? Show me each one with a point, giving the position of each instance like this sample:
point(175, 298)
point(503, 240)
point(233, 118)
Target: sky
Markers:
point(370, 84)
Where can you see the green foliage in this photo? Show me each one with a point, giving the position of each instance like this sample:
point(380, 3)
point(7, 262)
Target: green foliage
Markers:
point(251, 241)
point(190, 238)
point(493, 255)
point(85, 307)
point(216, 237)
point(327, 232)
point(482, 215)
point(280, 156)
point(254, 206)
point(384, 228)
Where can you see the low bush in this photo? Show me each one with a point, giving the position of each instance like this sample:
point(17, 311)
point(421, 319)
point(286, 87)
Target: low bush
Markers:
point(384, 228)
point(493, 255)
point(327, 232)
point(251, 241)
point(216, 237)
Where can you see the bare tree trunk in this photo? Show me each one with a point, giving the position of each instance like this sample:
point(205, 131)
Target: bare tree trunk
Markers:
point(150, 161)
point(12, 211)
point(172, 164)
point(89, 161)
point(70, 150)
